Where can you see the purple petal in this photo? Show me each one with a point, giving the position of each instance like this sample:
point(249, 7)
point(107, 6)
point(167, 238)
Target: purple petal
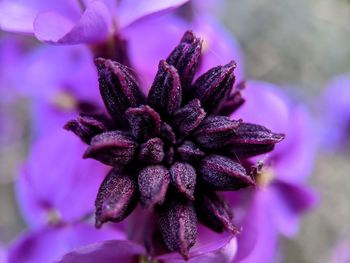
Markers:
point(336, 110)
point(3, 254)
point(116, 198)
point(292, 120)
point(163, 34)
point(288, 203)
point(47, 187)
point(105, 252)
point(153, 184)
point(48, 243)
point(257, 242)
point(19, 16)
point(94, 26)
point(133, 10)
point(219, 45)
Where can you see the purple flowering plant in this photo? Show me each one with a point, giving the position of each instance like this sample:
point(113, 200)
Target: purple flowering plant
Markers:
point(171, 151)
point(174, 149)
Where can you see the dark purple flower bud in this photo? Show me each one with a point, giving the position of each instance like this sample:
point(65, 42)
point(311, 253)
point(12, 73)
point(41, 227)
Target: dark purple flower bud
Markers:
point(187, 118)
point(246, 150)
point(223, 174)
point(116, 198)
point(185, 57)
point(216, 131)
point(167, 133)
point(153, 185)
point(233, 102)
point(214, 212)
point(178, 224)
point(214, 86)
point(112, 148)
point(118, 88)
point(165, 95)
point(152, 152)
point(248, 133)
point(188, 151)
point(183, 177)
point(144, 122)
point(87, 126)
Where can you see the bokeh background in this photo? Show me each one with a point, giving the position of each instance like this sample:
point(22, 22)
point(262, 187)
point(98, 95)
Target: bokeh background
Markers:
point(297, 44)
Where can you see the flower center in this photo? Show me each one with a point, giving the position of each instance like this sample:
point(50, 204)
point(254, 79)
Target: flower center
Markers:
point(64, 100)
point(53, 216)
point(265, 177)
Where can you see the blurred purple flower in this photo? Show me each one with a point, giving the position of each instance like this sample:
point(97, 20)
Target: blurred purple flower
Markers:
point(60, 81)
point(75, 22)
point(56, 184)
point(56, 192)
point(48, 243)
point(336, 114)
point(11, 50)
point(281, 196)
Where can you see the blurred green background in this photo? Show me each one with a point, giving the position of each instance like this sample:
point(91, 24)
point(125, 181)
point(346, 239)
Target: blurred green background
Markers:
point(292, 43)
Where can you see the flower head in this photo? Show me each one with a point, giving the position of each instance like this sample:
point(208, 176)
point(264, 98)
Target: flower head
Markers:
point(174, 149)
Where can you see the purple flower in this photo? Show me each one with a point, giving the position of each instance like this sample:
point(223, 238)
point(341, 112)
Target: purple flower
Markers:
point(48, 243)
point(51, 178)
point(173, 149)
point(58, 89)
point(281, 197)
point(75, 22)
point(336, 113)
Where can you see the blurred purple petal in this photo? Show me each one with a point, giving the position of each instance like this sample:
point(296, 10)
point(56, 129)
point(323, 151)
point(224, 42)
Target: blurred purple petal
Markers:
point(94, 26)
point(219, 46)
point(48, 243)
point(257, 242)
point(336, 110)
point(3, 254)
point(292, 120)
point(105, 252)
point(19, 15)
point(133, 10)
point(288, 202)
point(164, 33)
point(53, 174)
